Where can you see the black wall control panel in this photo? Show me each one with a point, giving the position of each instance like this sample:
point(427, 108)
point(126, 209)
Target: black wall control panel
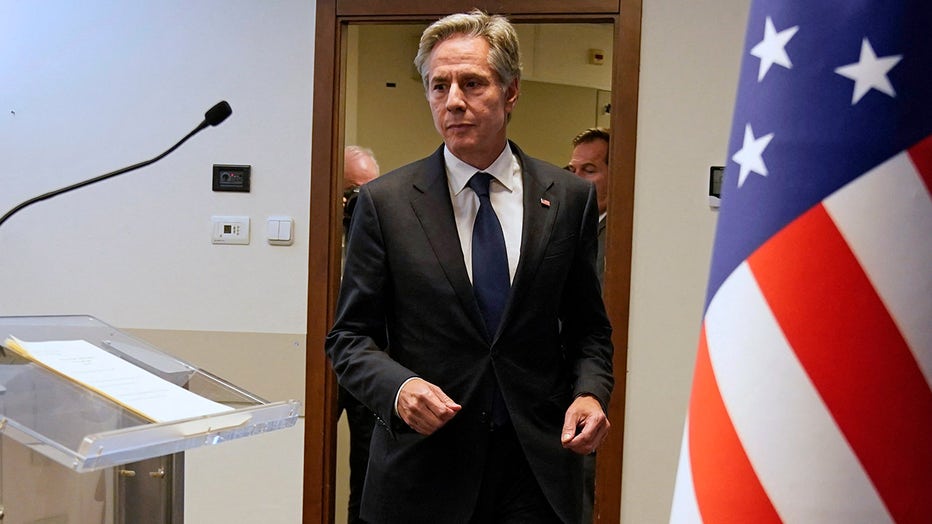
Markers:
point(231, 178)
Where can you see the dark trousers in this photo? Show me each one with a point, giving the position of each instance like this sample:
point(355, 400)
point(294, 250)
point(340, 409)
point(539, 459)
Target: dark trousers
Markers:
point(510, 493)
point(588, 498)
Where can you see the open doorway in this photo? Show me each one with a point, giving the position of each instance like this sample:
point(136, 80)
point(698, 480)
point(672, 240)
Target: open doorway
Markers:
point(334, 126)
point(565, 88)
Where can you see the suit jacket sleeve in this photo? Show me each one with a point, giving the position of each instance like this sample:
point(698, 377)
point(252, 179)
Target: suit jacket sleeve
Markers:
point(358, 342)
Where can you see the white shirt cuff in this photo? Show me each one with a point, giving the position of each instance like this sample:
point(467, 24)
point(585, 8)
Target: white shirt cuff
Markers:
point(398, 394)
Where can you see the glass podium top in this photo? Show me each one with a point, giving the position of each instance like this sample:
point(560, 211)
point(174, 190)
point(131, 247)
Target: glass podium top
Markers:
point(86, 431)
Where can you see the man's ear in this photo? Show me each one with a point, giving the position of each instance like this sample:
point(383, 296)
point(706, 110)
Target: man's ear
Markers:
point(512, 90)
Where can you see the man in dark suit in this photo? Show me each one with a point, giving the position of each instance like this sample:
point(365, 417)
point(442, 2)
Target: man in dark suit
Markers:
point(470, 317)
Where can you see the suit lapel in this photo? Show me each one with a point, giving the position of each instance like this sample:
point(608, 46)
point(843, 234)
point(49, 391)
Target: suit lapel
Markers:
point(430, 200)
point(540, 212)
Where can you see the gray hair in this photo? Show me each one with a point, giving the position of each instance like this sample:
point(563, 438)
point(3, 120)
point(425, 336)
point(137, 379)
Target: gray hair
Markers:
point(359, 150)
point(504, 51)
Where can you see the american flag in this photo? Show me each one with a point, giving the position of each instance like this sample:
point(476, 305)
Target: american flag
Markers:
point(811, 398)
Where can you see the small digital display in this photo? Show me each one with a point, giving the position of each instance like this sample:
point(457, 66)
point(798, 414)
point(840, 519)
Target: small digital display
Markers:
point(231, 178)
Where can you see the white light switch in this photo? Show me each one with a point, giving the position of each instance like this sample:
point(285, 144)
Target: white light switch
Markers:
point(280, 230)
point(271, 229)
point(284, 230)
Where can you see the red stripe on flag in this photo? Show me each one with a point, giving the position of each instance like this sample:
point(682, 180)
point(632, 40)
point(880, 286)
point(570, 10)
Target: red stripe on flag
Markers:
point(921, 155)
point(727, 488)
point(856, 357)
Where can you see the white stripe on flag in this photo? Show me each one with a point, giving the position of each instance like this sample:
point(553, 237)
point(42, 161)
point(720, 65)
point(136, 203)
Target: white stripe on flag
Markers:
point(886, 216)
point(802, 460)
point(685, 508)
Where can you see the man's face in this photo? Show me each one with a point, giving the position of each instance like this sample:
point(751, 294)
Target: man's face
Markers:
point(589, 162)
point(467, 100)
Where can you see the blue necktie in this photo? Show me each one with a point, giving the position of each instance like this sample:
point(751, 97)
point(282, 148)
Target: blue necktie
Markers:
point(490, 279)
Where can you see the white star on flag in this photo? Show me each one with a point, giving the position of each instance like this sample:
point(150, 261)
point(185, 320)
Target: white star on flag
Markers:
point(772, 49)
point(870, 72)
point(749, 157)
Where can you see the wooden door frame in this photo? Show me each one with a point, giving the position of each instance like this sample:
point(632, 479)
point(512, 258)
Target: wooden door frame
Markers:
point(325, 228)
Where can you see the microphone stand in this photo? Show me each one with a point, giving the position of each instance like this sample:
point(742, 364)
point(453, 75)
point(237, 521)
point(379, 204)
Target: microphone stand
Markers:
point(214, 116)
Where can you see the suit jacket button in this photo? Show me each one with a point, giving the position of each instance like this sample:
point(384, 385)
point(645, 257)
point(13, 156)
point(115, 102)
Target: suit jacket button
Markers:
point(484, 418)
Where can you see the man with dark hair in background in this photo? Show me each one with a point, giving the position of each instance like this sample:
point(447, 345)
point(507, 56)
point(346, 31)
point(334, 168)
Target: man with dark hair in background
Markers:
point(590, 162)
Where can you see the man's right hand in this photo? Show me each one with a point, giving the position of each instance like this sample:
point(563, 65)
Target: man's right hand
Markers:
point(425, 407)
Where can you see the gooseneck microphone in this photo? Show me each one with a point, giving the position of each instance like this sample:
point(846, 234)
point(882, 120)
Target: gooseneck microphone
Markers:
point(214, 116)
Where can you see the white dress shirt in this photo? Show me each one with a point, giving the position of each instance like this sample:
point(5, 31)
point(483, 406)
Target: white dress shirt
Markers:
point(506, 194)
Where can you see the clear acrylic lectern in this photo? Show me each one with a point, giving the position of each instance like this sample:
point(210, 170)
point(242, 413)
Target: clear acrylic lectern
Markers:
point(71, 455)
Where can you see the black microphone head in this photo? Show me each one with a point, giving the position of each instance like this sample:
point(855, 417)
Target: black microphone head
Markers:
point(218, 113)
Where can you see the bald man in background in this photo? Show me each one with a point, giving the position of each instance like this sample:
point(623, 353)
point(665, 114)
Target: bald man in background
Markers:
point(359, 167)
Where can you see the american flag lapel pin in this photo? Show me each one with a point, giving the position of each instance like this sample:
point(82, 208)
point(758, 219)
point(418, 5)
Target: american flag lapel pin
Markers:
point(544, 202)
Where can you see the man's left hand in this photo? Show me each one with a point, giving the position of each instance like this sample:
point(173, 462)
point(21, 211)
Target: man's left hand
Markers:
point(584, 426)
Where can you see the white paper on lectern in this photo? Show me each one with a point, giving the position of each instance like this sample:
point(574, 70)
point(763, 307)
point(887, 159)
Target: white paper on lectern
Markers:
point(130, 386)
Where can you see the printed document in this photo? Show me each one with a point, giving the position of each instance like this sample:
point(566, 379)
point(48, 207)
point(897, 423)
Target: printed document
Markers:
point(134, 388)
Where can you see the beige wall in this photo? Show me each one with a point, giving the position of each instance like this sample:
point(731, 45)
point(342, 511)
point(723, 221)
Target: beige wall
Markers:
point(394, 121)
point(548, 116)
point(559, 53)
point(270, 365)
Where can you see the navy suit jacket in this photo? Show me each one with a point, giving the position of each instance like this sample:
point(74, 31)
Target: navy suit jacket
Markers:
point(407, 308)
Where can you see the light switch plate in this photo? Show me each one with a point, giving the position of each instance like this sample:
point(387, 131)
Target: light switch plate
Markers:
point(280, 230)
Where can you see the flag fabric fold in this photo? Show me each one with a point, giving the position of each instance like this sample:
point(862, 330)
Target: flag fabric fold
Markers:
point(812, 392)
